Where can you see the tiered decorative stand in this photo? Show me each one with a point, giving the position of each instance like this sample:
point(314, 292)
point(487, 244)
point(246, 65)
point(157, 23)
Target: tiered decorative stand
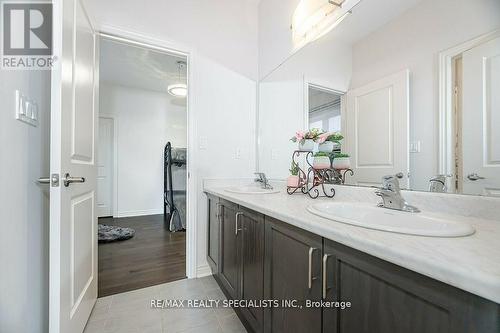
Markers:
point(313, 180)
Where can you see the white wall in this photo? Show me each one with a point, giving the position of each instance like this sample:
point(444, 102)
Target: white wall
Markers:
point(225, 122)
point(275, 36)
point(24, 206)
point(223, 36)
point(144, 122)
point(414, 41)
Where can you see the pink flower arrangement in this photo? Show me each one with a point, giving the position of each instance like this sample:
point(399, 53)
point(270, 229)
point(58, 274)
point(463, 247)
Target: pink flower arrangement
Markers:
point(322, 137)
point(299, 136)
point(312, 134)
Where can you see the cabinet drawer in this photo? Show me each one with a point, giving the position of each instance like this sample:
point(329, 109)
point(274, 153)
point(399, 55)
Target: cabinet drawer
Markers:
point(292, 272)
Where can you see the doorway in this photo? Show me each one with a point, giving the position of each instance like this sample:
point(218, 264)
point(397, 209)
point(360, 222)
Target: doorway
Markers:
point(469, 113)
point(324, 108)
point(142, 111)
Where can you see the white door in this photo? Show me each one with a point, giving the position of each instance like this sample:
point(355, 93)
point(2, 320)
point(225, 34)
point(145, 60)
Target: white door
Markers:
point(73, 219)
point(481, 119)
point(105, 168)
point(376, 130)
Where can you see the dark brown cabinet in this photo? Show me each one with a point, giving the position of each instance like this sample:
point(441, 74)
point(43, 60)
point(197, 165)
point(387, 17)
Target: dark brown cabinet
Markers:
point(252, 265)
point(229, 257)
point(388, 298)
point(292, 272)
point(255, 257)
point(241, 256)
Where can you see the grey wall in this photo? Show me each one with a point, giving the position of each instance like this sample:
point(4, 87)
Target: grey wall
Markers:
point(24, 206)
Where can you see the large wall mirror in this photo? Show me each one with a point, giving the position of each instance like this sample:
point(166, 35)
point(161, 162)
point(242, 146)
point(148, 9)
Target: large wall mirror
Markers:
point(415, 93)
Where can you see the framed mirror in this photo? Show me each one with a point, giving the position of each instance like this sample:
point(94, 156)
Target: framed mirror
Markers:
point(412, 91)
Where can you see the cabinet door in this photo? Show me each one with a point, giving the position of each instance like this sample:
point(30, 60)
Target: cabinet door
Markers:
point(213, 233)
point(292, 272)
point(252, 265)
point(389, 298)
point(229, 265)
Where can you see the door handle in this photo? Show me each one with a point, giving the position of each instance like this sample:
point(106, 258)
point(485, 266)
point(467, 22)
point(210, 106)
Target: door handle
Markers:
point(325, 274)
point(310, 273)
point(474, 177)
point(236, 228)
point(44, 180)
point(68, 180)
point(53, 180)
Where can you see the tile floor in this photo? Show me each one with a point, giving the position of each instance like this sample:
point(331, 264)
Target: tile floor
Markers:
point(131, 312)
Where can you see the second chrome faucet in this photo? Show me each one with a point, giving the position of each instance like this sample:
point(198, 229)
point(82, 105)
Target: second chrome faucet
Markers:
point(391, 195)
point(261, 178)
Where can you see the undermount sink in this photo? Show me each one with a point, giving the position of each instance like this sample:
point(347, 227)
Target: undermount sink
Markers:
point(372, 217)
point(249, 189)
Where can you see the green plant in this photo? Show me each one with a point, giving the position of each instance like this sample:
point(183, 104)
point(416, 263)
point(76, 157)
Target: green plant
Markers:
point(294, 169)
point(341, 155)
point(321, 153)
point(335, 137)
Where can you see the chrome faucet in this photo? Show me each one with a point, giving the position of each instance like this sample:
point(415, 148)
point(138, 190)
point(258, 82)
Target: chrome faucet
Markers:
point(391, 195)
point(438, 183)
point(261, 178)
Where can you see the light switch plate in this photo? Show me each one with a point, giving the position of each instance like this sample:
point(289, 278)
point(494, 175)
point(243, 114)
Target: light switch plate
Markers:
point(415, 147)
point(26, 109)
point(203, 142)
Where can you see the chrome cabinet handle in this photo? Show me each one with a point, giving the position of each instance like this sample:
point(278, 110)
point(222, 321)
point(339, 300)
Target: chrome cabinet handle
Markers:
point(310, 277)
point(68, 180)
point(325, 274)
point(218, 213)
point(236, 229)
point(474, 177)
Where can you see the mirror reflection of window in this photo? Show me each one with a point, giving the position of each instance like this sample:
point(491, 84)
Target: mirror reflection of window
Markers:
point(324, 109)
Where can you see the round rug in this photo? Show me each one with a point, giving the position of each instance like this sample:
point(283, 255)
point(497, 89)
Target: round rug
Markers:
point(111, 233)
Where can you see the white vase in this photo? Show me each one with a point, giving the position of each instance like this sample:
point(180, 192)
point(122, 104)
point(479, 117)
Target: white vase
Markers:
point(307, 145)
point(321, 162)
point(341, 163)
point(326, 146)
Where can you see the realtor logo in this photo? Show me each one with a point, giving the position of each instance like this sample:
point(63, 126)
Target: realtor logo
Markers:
point(26, 35)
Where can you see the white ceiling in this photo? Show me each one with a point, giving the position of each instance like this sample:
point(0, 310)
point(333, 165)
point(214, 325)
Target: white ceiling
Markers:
point(367, 17)
point(137, 67)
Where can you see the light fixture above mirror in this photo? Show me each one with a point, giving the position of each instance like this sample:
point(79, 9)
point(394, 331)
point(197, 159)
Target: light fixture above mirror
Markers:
point(313, 19)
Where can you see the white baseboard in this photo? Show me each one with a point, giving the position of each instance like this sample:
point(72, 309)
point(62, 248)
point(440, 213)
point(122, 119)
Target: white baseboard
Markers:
point(139, 213)
point(204, 270)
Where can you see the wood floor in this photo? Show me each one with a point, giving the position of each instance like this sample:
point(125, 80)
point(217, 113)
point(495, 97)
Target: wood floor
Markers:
point(153, 256)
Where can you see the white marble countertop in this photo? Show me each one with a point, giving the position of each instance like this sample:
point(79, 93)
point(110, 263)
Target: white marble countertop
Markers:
point(470, 263)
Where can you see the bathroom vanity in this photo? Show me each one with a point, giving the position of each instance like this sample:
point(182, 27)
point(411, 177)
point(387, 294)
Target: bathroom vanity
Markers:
point(268, 246)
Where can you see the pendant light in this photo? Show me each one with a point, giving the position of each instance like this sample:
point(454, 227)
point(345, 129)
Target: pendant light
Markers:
point(178, 89)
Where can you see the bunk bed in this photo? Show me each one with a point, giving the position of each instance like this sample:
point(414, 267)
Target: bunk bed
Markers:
point(174, 200)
